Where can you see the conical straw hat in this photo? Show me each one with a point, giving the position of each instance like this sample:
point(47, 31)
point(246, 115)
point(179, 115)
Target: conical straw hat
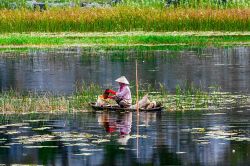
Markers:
point(122, 79)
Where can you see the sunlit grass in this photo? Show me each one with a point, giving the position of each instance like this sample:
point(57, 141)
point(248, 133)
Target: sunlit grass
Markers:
point(124, 19)
point(153, 39)
point(16, 4)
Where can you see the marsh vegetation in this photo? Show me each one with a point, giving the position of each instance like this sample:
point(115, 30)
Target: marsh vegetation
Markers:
point(124, 19)
point(189, 98)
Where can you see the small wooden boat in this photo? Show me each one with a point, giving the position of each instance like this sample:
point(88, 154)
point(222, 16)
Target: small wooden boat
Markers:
point(118, 108)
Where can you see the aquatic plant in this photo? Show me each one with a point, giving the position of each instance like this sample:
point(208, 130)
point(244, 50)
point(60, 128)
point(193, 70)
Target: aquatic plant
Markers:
point(190, 97)
point(187, 98)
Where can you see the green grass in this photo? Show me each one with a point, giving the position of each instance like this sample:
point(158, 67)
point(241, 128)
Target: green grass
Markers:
point(123, 40)
point(23, 40)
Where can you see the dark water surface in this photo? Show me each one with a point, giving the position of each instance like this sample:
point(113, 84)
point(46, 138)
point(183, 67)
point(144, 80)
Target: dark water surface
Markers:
point(106, 138)
point(58, 71)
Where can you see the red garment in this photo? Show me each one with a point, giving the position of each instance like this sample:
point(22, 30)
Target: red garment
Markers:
point(110, 91)
point(110, 127)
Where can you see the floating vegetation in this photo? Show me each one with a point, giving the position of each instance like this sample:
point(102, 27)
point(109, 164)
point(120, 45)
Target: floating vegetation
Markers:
point(90, 150)
point(218, 132)
point(41, 128)
point(192, 98)
point(100, 141)
point(216, 113)
point(77, 144)
point(3, 127)
point(35, 120)
point(80, 139)
point(181, 152)
point(12, 132)
point(14, 125)
point(197, 130)
point(138, 136)
point(35, 147)
point(203, 142)
point(35, 139)
point(25, 127)
point(83, 154)
point(72, 136)
point(14, 143)
point(25, 165)
point(123, 148)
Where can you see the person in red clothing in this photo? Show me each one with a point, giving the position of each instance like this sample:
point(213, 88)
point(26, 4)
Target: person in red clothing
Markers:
point(123, 95)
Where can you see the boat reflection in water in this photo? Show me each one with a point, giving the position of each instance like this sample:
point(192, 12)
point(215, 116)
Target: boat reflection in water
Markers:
point(117, 123)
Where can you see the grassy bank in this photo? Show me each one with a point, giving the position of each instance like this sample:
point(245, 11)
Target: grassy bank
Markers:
point(184, 99)
point(124, 19)
point(123, 39)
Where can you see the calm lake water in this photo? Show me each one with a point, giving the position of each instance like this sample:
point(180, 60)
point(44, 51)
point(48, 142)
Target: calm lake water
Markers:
point(112, 138)
point(58, 71)
point(102, 138)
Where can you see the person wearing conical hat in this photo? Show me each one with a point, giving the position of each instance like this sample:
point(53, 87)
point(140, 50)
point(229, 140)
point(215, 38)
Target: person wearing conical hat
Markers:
point(123, 95)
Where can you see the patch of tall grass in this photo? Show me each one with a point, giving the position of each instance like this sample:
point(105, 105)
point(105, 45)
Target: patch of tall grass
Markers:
point(12, 101)
point(187, 98)
point(15, 4)
point(124, 19)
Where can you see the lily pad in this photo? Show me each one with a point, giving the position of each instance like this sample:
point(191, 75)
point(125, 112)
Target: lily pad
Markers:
point(31, 147)
point(83, 154)
point(12, 132)
point(90, 150)
point(41, 128)
point(100, 141)
point(35, 139)
point(181, 152)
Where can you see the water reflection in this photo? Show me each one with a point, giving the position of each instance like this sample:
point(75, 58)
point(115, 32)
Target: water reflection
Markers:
point(166, 138)
point(121, 123)
point(59, 70)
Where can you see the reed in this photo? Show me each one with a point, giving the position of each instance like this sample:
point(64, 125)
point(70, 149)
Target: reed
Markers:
point(12, 101)
point(188, 97)
point(124, 19)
